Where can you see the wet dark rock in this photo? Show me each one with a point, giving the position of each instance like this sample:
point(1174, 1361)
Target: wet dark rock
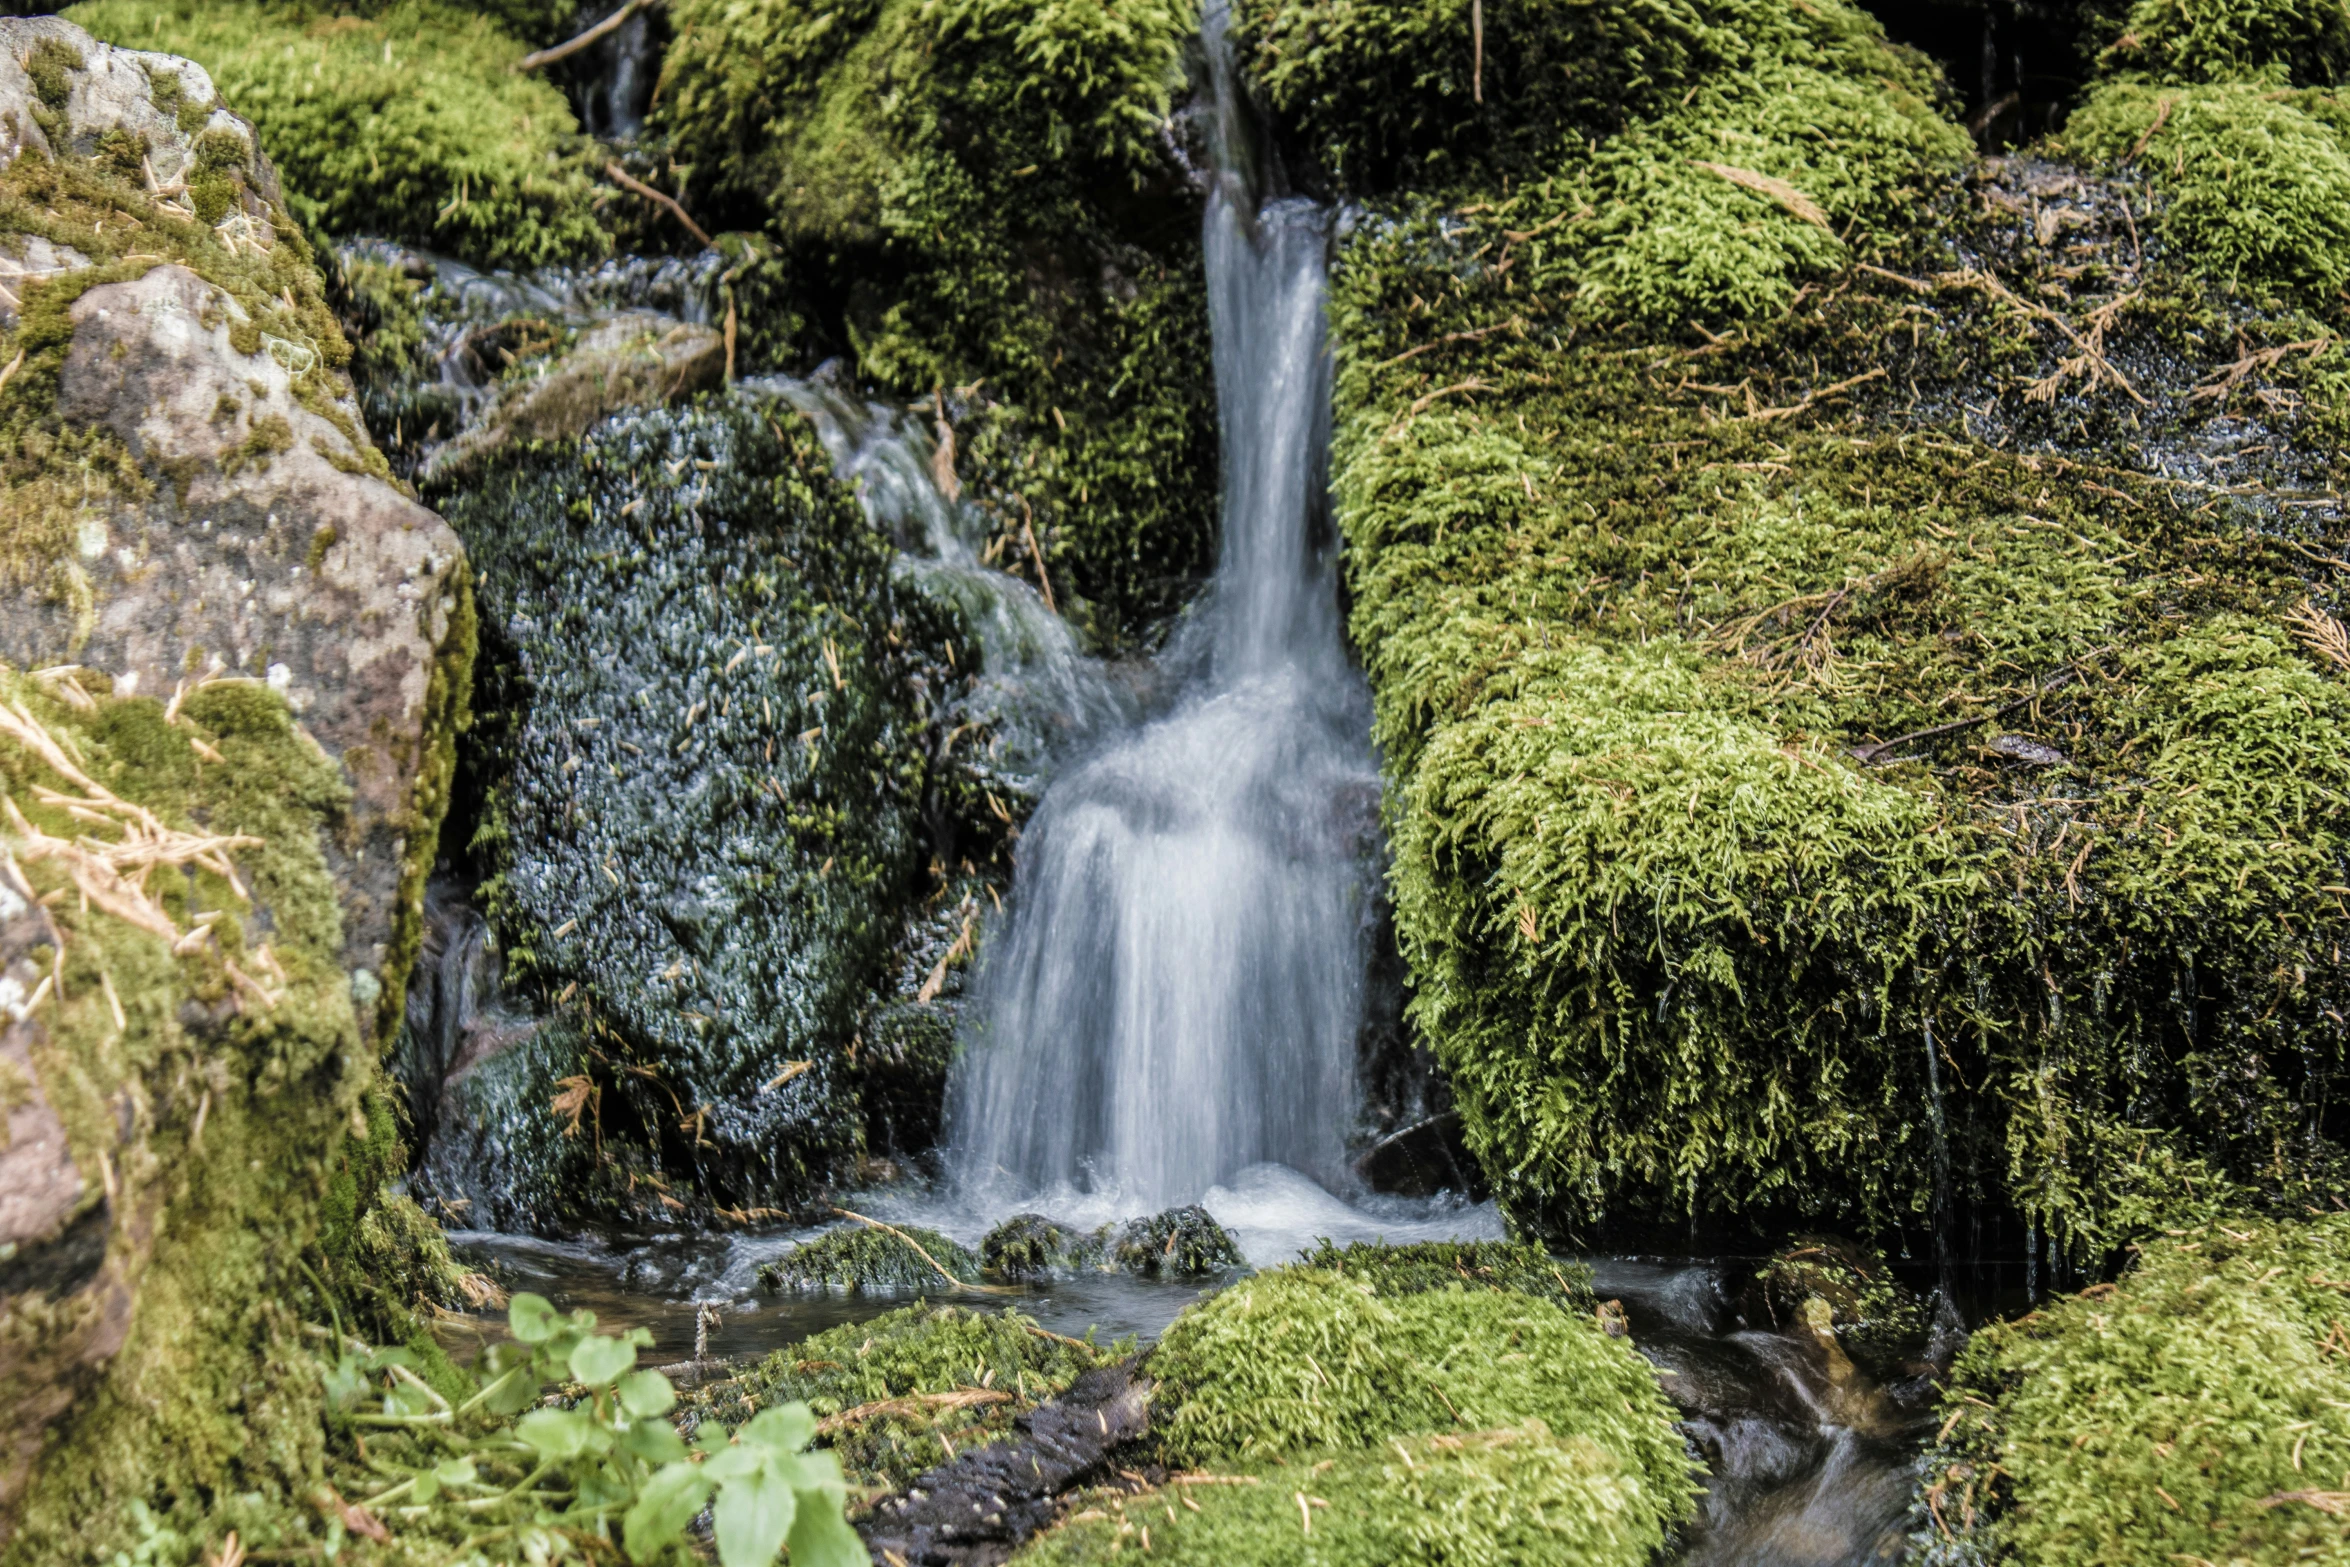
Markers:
point(705, 817)
point(976, 1511)
point(1862, 1309)
point(2020, 748)
point(636, 359)
point(1181, 1243)
point(865, 1260)
point(1029, 1246)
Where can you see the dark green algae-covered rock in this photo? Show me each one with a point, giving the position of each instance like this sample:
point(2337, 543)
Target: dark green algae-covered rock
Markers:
point(704, 821)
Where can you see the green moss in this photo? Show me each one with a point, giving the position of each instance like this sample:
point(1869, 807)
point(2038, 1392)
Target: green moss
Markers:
point(868, 1260)
point(926, 1380)
point(1301, 1358)
point(240, 1092)
point(2305, 42)
point(1519, 1495)
point(51, 63)
point(971, 196)
point(1878, 1321)
point(2193, 1411)
point(1031, 1246)
point(406, 122)
point(1432, 1265)
point(2256, 181)
point(1180, 1243)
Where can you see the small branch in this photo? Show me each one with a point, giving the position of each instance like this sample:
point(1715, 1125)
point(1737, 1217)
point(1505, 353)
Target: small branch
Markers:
point(985, 1289)
point(570, 47)
point(1477, 50)
point(1448, 338)
point(626, 181)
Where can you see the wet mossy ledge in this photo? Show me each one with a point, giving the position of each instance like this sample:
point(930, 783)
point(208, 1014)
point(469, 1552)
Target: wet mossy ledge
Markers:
point(1856, 636)
point(980, 203)
point(404, 120)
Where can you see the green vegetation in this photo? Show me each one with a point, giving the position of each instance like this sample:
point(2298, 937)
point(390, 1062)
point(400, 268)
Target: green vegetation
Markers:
point(1031, 1246)
point(904, 1391)
point(2223, 105)
point(1639, 603)
point(1180, 1243)
point(404, 122)
point(2196, 1410)
point(866, 1259)
point(1436, 1424)
point(1300, 1358)
point(1518, 1495)
point(1433, 1265)
point(1877, 1321)
point(969, 198)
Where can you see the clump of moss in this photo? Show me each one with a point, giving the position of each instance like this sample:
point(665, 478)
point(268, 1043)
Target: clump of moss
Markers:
point(1031, 1246)
point(1432, 1265)
point(2304, 42)
point(868, 1260)
point(1180, 1243)
point(903, 1391)
point(1519, 1494)
point(2199, 1409)
point(407, 122)
point(972, 201)
point(2256, 180)
point(1301, 1358)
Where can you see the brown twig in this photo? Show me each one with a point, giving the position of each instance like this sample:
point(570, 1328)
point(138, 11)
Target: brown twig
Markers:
point(1450, 338)
point(626, 181)
point(912, 1404)
point(985, 1289)
point(572, 46)
point(1477, 51)
point(1028, 531)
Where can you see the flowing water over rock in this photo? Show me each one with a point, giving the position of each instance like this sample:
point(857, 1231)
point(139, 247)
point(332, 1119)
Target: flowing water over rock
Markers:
point(1177, 993)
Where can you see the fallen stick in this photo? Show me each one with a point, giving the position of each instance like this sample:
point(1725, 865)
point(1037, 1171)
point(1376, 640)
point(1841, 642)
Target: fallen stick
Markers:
point(984, 1289)
point(572, 46)
point(627, 181)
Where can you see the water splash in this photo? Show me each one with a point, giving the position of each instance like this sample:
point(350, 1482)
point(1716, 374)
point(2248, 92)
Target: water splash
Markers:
point(1177, 993)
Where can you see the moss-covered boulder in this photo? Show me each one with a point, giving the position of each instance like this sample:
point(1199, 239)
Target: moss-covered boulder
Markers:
point(984, 202)
point(1433, 1265)
point(1029, 1247)
point(1851, 641)
point(1180, 1243)
point(710, 799)
point(224, 777)
point(402, 119)
point(914, 1387)
point(866, 1259)
point(2198, 1409)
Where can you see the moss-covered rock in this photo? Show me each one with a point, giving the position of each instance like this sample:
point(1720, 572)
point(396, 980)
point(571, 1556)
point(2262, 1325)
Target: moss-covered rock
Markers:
point(405, 120)
point(1300, 1358)
point(1846, 758)
point(223, 785)
point(979, 199)
point(1821, 1284)
point(1518, 1494)
point(1180, 1243)
point(2199, 1409)
point(1029, 1246)
point(1434, 1265)
point(710, 798)
point(866, 1259)
point(908, 1390)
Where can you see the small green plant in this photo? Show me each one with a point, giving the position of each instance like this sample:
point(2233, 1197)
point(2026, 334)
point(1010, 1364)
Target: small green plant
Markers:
point(514, 1468)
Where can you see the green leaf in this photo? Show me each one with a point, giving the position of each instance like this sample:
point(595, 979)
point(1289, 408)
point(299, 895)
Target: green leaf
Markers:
point(751, 1517)
point(821, 1536)
point(454, 1471)
point(664, 1507)
point(655, 1441)
point(514, 1395)
point(428, 1486)
point(557, 1434)
point(789, 1427)
point(645, 1394)
point(732, 1463)
point(599, 1361)
point(532, 1318)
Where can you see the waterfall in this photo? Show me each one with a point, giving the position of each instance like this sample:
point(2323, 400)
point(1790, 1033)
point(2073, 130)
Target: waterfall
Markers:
point(1177, 989)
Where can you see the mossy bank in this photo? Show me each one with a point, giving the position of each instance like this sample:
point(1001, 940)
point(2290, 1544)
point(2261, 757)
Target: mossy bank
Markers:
point(222, 786)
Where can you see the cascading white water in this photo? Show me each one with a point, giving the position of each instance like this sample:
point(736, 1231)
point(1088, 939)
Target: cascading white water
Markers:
point(1177, 991)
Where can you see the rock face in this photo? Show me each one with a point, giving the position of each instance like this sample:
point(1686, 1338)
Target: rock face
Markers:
point(633, 359)
point(240, 656)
